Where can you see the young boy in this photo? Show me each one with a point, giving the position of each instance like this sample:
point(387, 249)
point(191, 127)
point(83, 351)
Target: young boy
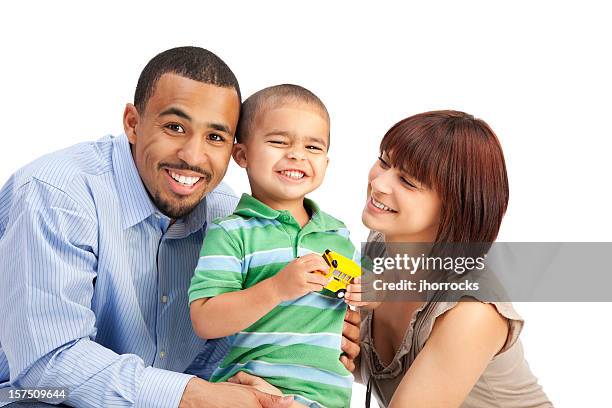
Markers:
point(258, 276)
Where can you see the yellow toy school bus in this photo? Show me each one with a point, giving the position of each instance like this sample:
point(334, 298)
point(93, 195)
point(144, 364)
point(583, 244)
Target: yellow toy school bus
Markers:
point(342, 270)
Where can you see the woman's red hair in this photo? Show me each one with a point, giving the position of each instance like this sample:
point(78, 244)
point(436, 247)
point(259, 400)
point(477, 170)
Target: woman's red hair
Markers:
point(461, 159)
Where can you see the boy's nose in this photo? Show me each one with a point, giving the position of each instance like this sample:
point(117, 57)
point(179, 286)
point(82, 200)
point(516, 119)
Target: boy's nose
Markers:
point(295, 154)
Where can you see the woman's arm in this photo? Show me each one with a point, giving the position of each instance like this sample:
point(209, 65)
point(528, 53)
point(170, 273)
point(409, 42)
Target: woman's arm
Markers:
point(462, 342)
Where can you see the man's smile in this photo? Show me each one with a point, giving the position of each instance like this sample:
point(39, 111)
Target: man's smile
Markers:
point(182, 182)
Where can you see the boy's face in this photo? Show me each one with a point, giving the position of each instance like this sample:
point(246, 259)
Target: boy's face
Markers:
point(285, 154)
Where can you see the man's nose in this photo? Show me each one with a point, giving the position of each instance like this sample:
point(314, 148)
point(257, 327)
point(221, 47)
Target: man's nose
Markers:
point(192, 150)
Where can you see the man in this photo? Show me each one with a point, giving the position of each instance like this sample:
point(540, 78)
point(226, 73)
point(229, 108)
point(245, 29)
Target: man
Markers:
point(98, 243)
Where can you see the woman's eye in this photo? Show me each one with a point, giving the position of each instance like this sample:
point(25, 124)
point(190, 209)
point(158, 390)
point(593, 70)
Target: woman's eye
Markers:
point(216, 138)
point(175, 128)
point(383, 163)
point(408, 183)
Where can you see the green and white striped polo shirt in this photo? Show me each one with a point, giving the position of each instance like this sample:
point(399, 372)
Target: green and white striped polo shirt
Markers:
point(296, 346)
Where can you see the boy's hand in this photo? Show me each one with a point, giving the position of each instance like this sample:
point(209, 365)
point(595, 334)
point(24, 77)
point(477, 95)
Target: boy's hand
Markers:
point(355, 292)
point(300, 277)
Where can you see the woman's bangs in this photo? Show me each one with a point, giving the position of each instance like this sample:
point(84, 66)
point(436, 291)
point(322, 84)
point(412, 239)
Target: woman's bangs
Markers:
point(412, 154)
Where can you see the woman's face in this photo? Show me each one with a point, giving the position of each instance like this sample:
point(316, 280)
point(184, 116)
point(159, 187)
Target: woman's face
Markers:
point(399, 206)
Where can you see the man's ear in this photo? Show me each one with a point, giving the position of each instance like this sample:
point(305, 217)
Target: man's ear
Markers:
point(131, 118)
point(239, 154)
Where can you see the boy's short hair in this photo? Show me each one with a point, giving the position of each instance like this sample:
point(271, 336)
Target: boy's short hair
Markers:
point(273, 97)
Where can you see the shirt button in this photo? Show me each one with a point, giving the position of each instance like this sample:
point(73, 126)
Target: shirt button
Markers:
point(162, 354)
point(164, 299)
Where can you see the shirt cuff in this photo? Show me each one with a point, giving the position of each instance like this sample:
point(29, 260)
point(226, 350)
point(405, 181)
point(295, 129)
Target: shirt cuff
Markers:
point(161, 388)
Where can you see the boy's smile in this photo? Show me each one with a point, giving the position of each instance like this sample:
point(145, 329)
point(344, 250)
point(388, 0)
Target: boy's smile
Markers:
point(285, 154)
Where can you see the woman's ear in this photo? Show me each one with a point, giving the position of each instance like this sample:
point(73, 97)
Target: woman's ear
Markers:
point(131, 118)
point(239, 154)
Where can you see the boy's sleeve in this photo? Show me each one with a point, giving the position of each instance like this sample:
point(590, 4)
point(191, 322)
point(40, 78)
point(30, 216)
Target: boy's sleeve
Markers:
point(220, 267)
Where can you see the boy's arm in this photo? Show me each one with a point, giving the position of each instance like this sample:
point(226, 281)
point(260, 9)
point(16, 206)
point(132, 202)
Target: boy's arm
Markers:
point(232, 311)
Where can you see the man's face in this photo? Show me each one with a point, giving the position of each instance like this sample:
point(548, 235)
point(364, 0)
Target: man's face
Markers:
point(182, 141)
point(285, 153)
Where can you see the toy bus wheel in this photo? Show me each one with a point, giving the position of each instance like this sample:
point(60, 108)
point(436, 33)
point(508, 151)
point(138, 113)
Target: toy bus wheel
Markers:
point(335, 263)
point(340, 294)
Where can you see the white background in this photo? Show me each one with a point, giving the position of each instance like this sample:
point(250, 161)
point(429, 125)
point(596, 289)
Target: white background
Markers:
point(538, 73)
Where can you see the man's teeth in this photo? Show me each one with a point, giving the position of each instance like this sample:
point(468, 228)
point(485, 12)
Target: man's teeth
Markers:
point(381, 206)
point(293, 174)
point(188, 181)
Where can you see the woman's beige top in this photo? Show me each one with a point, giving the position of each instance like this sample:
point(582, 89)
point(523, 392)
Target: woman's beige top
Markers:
point(506, 382)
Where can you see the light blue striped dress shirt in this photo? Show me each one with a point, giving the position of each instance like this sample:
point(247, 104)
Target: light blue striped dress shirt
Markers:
point(93, 281)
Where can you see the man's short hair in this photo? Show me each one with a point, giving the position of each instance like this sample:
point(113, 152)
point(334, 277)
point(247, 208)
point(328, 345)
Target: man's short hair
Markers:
point(194, 63)
point(273, 97)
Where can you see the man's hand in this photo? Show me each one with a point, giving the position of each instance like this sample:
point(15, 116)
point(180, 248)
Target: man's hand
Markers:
point(350, 339)
point(259, 383)
point(300, 277)
point(256, 382)
point(202, 394)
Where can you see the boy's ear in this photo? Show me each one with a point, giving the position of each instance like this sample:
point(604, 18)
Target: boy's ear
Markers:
point(131, 118)
point(239, 154)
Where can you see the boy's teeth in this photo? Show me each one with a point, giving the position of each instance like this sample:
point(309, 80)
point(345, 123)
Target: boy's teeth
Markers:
point(293, 174)
point(188, 181)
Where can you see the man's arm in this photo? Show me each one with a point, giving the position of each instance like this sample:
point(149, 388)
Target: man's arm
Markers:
point(47, 264)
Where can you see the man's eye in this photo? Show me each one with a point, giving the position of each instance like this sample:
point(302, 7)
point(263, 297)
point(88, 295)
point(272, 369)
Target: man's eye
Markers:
point(175, 127)
point(216, 137)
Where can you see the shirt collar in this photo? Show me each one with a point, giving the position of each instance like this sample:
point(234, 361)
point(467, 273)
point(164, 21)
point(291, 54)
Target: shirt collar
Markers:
point(133, 196)
point(249, 206)
point(136, 203)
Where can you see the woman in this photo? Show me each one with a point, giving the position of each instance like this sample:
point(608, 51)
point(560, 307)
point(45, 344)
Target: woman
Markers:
point(441, 178)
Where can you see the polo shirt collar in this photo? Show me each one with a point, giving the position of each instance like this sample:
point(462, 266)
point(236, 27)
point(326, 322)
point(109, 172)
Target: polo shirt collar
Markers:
point(249, 206)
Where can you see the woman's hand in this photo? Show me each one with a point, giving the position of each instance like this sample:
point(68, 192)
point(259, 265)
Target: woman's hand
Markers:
point(350, 339)
point(356, 292)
